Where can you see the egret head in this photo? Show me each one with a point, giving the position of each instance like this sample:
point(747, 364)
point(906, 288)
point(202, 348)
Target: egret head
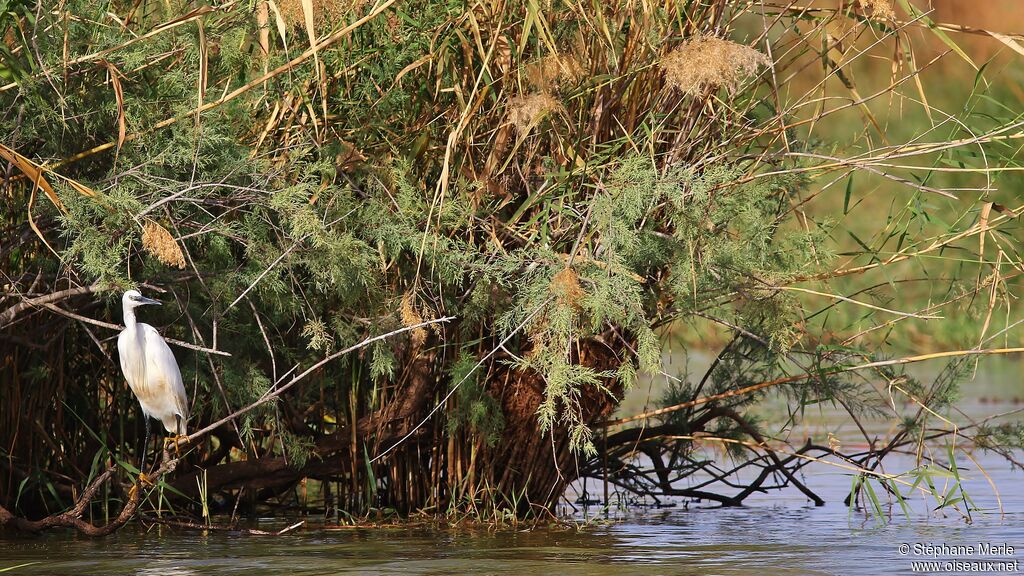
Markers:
point(133, 299)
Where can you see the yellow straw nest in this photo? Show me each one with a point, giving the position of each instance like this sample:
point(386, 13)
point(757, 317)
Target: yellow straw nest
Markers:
point(158, 241)
point(710, 62)
point(525, 112)
point(879, 9)
point(565, 287)
point(411, 317)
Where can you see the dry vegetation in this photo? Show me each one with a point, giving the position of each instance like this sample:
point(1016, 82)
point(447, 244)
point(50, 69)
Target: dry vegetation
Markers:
point(418, 251)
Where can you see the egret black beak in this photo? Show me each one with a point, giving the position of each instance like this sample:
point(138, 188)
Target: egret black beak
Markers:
point(144, 300)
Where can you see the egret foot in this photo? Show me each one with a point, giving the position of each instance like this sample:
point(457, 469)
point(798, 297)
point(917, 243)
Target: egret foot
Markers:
point(176, 440)
point(143, 480)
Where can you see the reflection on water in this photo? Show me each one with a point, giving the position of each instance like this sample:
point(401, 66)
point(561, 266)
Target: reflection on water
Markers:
point(777, 533)
point(777, 539)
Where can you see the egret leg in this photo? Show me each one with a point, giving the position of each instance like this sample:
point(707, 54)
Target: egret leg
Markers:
point(142, 460)
point(145, 446)
point(142, 463)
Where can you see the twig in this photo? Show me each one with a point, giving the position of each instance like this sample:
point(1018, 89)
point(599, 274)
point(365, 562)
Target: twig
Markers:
point(275, 392)
point(859, 303)
point(214, 527)
point(760, 386)
point(8, 316)
point(119, 327)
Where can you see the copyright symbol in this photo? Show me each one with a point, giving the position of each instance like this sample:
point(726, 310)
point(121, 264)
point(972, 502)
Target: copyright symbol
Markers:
point(904, 549)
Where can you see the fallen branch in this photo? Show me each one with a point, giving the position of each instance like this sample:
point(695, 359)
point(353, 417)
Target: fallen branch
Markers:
point(216, 528)
point(73, 518)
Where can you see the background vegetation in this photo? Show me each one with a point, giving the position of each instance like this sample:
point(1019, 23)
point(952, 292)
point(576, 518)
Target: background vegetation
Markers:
point(558, 188)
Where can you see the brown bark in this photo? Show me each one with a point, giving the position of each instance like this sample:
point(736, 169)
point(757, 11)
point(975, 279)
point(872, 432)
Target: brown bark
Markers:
point(526, 461)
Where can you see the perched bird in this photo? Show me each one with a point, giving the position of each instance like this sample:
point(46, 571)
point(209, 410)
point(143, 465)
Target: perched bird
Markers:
point(151, 371)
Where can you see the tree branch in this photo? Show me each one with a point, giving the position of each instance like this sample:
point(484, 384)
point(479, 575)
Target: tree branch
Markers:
point(277, 391)
point(8, 316)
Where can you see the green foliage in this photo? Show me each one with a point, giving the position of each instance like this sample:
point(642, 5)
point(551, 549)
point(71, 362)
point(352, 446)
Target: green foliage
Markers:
point(526, 172)
point(473, 406)
point(315, 243)
point(298, 449)
point(88, 224)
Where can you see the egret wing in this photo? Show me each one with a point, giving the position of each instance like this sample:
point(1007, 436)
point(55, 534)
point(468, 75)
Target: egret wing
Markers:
point(162, 370)
point(132, 361)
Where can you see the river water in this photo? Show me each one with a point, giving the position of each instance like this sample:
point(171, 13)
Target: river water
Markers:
point(775, 534)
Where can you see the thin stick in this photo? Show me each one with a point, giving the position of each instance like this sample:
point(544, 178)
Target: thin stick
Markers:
point(760, 386)
point(275, 392)
point(8, 316)
point(859, 303)
point(119, 327)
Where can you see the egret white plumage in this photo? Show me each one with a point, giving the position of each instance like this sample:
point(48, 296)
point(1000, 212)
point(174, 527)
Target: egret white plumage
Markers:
point(151, 371)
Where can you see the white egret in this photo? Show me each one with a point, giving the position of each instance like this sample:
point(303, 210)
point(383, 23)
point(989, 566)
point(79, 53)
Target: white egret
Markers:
point(151, 371)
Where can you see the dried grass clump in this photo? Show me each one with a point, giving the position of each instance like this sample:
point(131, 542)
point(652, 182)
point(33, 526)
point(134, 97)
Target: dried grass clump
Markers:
point(552, 70)
point(525, 112)
point(325, 12)
point(565, 286)
point(158, 241)
point(411, 317)
point(711, 62)
point(879, 9)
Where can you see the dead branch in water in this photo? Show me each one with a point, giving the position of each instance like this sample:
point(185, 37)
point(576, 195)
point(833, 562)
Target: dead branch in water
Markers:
point(218, 528)
point(73, 518)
